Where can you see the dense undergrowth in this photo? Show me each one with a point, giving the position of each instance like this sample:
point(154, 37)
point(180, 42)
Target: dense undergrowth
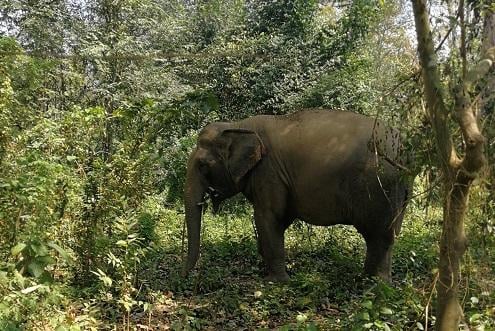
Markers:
point(100, 104)
point(142, 288)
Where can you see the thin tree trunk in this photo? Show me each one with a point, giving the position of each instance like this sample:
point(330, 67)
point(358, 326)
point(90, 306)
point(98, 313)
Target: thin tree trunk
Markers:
point(488, 30)
point(487, 112)
point(452, 247)
point(458, 173)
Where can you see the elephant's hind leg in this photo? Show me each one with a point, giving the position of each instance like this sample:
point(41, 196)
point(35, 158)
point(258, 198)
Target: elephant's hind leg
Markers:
point(379, 256)
point(379, 244)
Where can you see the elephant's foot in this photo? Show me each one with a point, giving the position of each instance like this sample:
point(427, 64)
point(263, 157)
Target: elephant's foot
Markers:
point(386, 276)
point(277, 277)
point(276, 272)
point(378, 261)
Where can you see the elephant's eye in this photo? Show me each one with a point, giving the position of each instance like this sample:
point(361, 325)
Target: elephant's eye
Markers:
point(206, 163)
point(203, 165)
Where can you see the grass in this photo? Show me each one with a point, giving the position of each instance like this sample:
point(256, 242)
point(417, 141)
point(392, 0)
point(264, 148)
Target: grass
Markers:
point(327, 290)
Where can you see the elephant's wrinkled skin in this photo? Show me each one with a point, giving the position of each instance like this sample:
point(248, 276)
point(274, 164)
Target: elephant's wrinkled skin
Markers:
point(323, 167)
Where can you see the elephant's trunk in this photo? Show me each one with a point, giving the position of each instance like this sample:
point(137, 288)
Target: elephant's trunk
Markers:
point(193, 197)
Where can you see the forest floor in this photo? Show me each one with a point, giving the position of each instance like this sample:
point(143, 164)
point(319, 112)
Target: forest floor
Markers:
point(327, 290)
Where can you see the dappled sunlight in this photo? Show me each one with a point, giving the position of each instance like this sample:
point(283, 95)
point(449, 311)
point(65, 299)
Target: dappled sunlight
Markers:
point(326, 284)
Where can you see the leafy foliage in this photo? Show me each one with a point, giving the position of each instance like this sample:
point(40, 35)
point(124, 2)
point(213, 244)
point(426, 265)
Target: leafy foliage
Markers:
point(100, 103)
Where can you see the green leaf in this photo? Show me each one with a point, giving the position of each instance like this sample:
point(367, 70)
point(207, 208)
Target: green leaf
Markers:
point(367, 304)
point(107, 281)
point(121, 243)
point(473, 318)
point(147, 306)
point(127, 304)
point(60, 250)
point(365, 316)
point(35, 269)
point(386, 311)
point(419, 326)
point(301, 318)
point(18, 248)
point(39, 249)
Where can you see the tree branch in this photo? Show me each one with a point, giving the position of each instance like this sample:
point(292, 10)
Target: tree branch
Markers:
point(463, 38)
point(433, 91)
point(467, 119)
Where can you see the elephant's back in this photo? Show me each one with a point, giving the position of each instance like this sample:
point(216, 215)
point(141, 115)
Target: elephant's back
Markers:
point(328, 138)
point(329, 124)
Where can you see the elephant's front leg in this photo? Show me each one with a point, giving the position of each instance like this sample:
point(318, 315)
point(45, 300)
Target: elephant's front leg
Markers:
point(271, 244)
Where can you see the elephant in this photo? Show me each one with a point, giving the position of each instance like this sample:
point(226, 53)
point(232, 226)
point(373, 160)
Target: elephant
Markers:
point(320, 166)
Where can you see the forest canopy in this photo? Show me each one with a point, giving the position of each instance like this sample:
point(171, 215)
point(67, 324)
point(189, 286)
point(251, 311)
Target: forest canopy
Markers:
point(100, 105)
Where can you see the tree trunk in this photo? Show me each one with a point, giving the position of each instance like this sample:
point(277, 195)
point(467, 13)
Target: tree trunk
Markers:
point(458, 173)
point(487, 113)
point(452, 247)
point(488, 30)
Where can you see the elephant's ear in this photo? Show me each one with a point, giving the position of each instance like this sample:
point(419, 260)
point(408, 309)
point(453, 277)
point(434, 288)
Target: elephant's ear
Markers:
point(244, 150)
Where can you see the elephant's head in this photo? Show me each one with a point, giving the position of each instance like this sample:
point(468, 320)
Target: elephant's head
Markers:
point(218, 165)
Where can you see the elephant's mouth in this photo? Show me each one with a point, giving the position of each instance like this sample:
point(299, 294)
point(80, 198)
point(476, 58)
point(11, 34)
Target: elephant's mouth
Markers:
point(213, 192)
point(216, 196)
